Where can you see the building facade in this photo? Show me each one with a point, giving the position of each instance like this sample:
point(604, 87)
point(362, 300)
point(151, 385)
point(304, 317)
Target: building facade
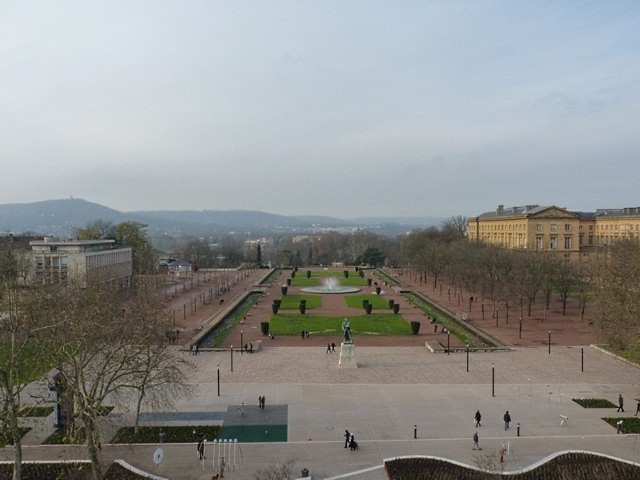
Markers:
point(554, 229)
point(83, 260)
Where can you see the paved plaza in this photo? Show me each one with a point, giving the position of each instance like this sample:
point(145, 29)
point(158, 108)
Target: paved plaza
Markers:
point(396, 393)
point(401, 400)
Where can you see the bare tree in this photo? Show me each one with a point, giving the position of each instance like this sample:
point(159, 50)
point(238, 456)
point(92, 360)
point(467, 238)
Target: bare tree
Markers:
point(21, 358)
point(617, 309)
point(101, 354)
point(161, 377)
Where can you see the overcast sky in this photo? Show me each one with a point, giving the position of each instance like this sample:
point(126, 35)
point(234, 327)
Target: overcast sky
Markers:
point(342, 108)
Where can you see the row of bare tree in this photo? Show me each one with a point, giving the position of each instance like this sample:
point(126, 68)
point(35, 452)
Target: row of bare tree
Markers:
point(102, 345)
point(515, 280)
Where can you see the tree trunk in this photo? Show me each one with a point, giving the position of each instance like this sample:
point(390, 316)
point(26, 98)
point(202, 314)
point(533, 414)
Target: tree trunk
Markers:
point(92, 448)
point(17, 441)
point(136, 425)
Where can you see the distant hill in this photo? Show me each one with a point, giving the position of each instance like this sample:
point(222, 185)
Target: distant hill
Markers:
point(61, 217)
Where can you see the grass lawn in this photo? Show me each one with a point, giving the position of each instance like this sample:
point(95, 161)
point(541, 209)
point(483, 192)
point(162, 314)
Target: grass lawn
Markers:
point(292, 302)
point(377, 301)
point(374, 324)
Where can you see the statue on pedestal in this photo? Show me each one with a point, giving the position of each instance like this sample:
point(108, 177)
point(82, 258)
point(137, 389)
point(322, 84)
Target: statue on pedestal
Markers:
point(346, 330)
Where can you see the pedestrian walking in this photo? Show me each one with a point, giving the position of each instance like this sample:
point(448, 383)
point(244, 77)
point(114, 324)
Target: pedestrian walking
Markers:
point(347, 437)
point(328, 348)
point(637, 406)
point(222, 466)
point(200, 450)
point(620, 403)
point(333, 349)
point(476, 445)
point(507, 420)
point(478, 418)
point(353, 445)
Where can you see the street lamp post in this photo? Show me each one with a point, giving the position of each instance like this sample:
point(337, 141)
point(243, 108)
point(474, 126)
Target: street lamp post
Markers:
point(241, 342)
point(520, 328)
point(467, 358)
point(231, 357)
point(218, 380)
point(549, 342)
point(493, 380)
point(448, 349)
point(496, 316)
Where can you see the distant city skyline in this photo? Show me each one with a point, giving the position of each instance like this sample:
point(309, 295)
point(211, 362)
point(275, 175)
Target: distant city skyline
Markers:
point(344, 109)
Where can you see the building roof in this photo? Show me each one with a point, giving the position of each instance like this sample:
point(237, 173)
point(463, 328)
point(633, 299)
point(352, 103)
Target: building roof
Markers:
point(521, 211)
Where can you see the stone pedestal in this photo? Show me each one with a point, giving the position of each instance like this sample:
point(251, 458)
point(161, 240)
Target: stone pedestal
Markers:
point(348, 355)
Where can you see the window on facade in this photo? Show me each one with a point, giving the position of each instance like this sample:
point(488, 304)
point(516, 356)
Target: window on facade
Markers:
point(567, 243)
point(539, 243)
point(553, 243)
point(567, 227)
point(554, 227)
point(539, 227)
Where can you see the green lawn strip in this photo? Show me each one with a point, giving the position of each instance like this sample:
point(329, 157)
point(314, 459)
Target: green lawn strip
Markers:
point(377, 301)
point(445, 320)
point(300, 281)
point(292, 302)
point(254, 433)
point(166, 434)
point(594, 403)
point(373, 324)
point(632, 353)
point(629, 424)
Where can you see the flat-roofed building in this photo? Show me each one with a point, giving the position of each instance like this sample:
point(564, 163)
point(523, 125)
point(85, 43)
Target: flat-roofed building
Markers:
point(84, 260)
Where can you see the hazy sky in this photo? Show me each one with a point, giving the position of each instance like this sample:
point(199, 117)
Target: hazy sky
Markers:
point(342, 108)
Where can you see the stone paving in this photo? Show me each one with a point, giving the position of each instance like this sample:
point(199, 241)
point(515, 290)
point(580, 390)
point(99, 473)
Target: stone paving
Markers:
point(402, 400)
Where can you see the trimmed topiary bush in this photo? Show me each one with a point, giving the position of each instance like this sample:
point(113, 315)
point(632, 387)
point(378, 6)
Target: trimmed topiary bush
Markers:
point(264, 328)
point(396, 308)
point(415, 327)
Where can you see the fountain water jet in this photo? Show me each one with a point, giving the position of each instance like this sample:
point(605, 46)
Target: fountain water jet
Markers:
point(331, 285)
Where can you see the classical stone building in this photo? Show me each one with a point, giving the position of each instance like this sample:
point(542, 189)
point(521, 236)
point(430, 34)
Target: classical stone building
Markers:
point(555, 229)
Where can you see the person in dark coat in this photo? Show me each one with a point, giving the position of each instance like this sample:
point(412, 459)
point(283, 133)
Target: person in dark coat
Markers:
point(347, 437)
point(507, 420)
point(478, 417)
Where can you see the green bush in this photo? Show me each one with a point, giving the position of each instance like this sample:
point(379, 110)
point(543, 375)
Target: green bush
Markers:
point(264, 328)
point(594, 403)
point(166, 434)
point(629, 424)
point(415, 327)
